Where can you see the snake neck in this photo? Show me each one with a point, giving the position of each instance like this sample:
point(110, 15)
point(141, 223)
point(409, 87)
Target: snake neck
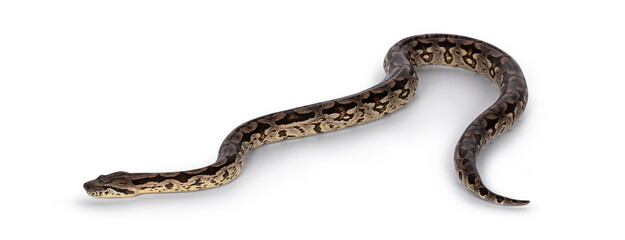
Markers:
point(217, 174)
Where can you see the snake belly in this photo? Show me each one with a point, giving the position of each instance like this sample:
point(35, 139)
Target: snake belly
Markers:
point(395, 90)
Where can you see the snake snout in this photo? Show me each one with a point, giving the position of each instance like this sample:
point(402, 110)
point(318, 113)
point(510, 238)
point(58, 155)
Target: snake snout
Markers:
point(87, 186)
point(93, 187)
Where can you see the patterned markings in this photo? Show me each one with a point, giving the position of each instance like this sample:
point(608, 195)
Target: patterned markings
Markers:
point(376, 99)
point(401, 85)
point(465, 161)
point(293, 117)
point(421, 48)
point(341, 109)
point(182, 177)
point(483, 191)
point(431, 49)
point(317, 127)
point(447, 45)
point(495, 62)
point(471, 178)
point(468, 58)
point(510, 109)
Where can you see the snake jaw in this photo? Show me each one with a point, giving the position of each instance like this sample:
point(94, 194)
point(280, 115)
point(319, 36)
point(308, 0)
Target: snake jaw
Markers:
point(117, 184)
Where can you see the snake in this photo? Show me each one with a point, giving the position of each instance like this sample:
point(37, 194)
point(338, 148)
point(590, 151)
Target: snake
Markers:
point(395, 90)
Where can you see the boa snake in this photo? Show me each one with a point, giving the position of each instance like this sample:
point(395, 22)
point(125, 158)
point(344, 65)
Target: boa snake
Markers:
point(396, 89)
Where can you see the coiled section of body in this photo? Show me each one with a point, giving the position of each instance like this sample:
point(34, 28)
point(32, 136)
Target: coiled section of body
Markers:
point(395, 90)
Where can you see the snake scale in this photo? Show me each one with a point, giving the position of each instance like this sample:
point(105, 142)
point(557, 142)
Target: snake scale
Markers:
point(396, 89)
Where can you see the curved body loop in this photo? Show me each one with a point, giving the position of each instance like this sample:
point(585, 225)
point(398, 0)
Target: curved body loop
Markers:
point(395, 90)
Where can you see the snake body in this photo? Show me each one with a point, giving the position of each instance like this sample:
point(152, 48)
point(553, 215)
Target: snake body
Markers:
point(395, 90)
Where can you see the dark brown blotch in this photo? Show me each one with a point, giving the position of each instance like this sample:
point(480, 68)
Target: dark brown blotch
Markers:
point(260, 129)
point(490, 125)
point(317, 127)
point(293, 117)
point(282, 133)
point(341, 109)
point(510, 108)
point(478, 138)
point(462, 152)
point(465, 161)
point(471, 178)
point(483, 191)
point(300, 129)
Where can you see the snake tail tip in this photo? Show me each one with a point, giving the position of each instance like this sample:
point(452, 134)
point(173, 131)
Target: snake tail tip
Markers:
point(510, 202)
point(520, 203)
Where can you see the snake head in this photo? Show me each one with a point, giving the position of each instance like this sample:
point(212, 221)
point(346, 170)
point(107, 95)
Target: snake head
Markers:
point(117, 184)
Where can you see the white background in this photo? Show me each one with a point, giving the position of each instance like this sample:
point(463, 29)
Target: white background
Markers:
point(93, 87)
